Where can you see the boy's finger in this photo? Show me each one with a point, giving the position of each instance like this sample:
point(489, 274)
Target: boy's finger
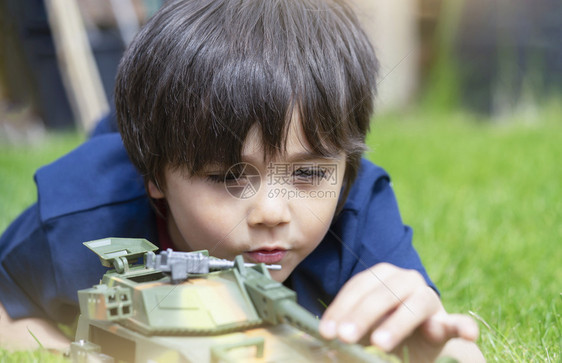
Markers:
point(383, 300)
point(359, 286)
point(442, 327)
point(352, 293)
point(407, 317)
point(467, 327)
point(352, 315)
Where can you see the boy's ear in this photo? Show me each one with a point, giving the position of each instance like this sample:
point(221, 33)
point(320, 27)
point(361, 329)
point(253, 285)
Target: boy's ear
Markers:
point(153, 191)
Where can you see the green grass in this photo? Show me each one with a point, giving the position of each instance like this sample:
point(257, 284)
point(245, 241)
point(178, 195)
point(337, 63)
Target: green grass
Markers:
point(38, 356)
point(484, 200)
point(17, 166)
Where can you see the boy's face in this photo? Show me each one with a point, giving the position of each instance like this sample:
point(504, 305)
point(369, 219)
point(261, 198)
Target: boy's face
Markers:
point(278, 217)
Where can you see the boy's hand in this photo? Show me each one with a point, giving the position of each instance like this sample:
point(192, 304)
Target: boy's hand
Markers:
point(394, 307)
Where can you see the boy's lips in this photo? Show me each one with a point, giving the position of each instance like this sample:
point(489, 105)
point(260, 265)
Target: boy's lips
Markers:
point(266, 255)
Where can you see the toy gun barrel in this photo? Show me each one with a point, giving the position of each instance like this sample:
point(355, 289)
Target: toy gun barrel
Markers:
point(290, 312)
point(276, 304)
point(181, 264)
point(220, 264)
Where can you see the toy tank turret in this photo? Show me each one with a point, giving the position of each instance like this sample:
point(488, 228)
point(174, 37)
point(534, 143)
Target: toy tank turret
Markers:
point(190, 307)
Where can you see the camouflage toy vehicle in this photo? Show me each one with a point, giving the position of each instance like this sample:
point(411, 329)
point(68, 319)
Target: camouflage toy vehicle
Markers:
point(173, 307)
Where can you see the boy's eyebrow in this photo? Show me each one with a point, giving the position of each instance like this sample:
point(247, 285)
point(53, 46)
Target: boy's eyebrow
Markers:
point(309, 155)
point(302, 156)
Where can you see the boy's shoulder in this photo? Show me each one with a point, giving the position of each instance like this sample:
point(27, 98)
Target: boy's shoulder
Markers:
point(96, 173)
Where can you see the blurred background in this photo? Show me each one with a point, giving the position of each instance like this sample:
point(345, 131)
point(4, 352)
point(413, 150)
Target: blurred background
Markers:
point(58, 58)
point(468, 124)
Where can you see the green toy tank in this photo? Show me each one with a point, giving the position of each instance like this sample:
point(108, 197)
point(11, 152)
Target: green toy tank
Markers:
point(189, 307)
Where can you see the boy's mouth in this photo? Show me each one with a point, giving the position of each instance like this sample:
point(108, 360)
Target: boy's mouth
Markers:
point(268, 256)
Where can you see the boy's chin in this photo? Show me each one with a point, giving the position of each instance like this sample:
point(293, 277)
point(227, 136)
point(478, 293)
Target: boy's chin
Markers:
point(279, 275)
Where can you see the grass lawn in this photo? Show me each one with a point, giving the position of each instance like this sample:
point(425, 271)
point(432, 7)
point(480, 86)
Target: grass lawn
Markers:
point(485, 202)
point(17, 166)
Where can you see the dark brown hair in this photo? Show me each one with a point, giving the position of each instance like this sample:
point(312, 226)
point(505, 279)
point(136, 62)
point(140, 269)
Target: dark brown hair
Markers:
point(201, 73)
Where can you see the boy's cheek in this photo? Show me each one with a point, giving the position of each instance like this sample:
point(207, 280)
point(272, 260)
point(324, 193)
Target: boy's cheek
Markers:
point(280, 276)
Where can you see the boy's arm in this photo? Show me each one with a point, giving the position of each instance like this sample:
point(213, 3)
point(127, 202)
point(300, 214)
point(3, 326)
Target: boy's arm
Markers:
point(396, 309)
point(18, 334)
point(21, 334)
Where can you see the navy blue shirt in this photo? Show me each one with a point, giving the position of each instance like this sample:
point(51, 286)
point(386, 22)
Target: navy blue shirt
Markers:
point(95, 192)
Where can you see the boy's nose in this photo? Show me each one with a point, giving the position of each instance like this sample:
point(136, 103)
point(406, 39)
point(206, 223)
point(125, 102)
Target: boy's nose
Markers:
point(269, 209)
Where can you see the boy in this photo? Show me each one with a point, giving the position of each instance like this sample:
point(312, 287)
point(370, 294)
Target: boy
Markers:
point(245, 121)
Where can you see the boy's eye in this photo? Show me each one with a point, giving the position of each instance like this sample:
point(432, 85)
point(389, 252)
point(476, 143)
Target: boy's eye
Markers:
point(309, 174)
